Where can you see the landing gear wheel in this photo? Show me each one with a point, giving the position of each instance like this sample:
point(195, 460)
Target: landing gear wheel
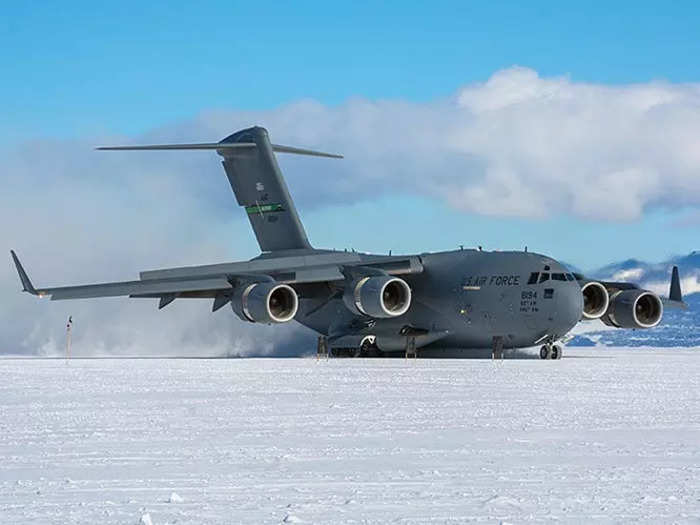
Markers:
point(556, 352)
point(550, 351)
point(545, 352)
point(367, 348)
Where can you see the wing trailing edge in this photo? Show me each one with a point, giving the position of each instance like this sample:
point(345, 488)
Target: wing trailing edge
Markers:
point(156, 287)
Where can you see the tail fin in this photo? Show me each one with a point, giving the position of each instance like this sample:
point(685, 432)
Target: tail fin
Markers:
point(674, 293)
point(675, 297)
point(257, 183)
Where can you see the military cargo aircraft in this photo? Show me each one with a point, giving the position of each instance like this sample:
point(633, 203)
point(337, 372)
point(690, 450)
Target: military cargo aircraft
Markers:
point(451, 304)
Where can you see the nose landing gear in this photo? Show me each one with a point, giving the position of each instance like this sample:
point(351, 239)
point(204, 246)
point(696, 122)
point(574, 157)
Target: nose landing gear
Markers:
point(550, 351)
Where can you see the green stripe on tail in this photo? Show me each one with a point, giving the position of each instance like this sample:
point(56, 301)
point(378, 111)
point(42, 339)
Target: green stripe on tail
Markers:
point(263, 208)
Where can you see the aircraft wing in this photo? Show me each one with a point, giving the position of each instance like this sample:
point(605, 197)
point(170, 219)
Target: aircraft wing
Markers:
point(675, 296)
point(218, 280)
point(156, 287)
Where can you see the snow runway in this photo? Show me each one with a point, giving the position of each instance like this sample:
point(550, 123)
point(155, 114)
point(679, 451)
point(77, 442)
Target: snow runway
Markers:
point(602, 435)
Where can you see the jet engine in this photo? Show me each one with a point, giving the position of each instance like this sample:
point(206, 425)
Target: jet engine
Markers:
point(380, 296)
point(634, 309)
point(595, 300)
point(265, 302)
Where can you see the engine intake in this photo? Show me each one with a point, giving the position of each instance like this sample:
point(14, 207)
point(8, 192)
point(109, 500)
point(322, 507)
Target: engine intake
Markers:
point(266, 302)
point(380, 296)
point(595, 300)
point(634, 309)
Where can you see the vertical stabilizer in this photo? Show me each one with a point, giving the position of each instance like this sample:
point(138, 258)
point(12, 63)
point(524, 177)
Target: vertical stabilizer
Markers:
point(674, 293)
point(257, 183)
point(259, 187)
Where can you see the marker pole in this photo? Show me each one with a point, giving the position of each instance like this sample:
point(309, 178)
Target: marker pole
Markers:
point(69, 324)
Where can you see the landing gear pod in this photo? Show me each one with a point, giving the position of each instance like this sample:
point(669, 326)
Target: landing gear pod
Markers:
point(266, 302)
point(595, 300)
point(380, 296)
point(634, 309)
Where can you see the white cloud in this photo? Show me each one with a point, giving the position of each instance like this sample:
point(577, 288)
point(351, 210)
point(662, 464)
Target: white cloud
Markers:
point(631, 274)
point(689, 285)
point(517, 144)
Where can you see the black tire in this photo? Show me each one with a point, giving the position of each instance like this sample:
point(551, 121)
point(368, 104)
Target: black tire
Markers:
point(365, 349)
point(544, 353)
point(556, 352)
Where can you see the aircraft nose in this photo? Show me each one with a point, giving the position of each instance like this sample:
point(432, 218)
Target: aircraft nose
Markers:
point(569, 306)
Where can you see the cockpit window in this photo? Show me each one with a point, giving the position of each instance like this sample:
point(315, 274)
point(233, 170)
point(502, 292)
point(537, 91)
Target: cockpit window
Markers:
point(544, 277)
point(558, 277)
point(569, 277)
point(533, 278)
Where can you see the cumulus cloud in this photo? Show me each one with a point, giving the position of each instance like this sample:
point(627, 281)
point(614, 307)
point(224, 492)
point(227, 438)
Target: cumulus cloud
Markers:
point(515, 145)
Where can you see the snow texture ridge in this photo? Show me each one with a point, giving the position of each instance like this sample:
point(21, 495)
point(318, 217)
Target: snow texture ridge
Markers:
point(604, 435)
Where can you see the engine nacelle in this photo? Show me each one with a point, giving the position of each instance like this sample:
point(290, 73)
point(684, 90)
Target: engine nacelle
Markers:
point(634, 309)
point(265, 302)
point(595, 300)
point(380, 296)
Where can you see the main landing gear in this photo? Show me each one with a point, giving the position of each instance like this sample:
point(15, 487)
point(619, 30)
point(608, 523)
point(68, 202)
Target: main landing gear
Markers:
point(550, 351)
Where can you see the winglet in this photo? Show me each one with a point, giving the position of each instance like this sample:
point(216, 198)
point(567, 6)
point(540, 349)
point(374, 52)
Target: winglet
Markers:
point(674, 293)
point(26, 283)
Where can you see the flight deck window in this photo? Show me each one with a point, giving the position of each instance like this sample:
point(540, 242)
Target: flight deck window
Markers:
point(544, 277)
point(558, 277)
point(569, 277)
point(533, 278)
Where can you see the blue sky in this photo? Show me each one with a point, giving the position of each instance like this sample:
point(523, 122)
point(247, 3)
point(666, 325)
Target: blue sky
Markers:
point(81, 70)
point(77, 67)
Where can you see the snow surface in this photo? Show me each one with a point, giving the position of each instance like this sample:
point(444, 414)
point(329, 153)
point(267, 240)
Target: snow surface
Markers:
point(604, 435)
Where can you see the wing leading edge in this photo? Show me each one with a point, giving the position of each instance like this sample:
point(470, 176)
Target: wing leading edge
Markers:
point(156, 287)
point(218, 281)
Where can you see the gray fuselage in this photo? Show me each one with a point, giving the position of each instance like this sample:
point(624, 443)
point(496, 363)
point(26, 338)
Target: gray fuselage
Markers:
point(472, 295)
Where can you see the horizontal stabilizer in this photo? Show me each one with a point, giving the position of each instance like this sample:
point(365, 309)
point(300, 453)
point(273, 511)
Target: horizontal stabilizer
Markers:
point(250, 163)
point(278, 148)
point(228, 147)
point(204, 145)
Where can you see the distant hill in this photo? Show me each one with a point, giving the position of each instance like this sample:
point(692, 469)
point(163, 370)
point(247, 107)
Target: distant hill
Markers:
point(678, 327)
point(655, 277)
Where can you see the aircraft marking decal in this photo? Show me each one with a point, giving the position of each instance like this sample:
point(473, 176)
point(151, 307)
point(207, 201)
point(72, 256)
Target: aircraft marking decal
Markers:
point(264, 208)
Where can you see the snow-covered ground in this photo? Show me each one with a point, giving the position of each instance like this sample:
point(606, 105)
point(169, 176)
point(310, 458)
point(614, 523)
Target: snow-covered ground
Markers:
point(604, 435)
